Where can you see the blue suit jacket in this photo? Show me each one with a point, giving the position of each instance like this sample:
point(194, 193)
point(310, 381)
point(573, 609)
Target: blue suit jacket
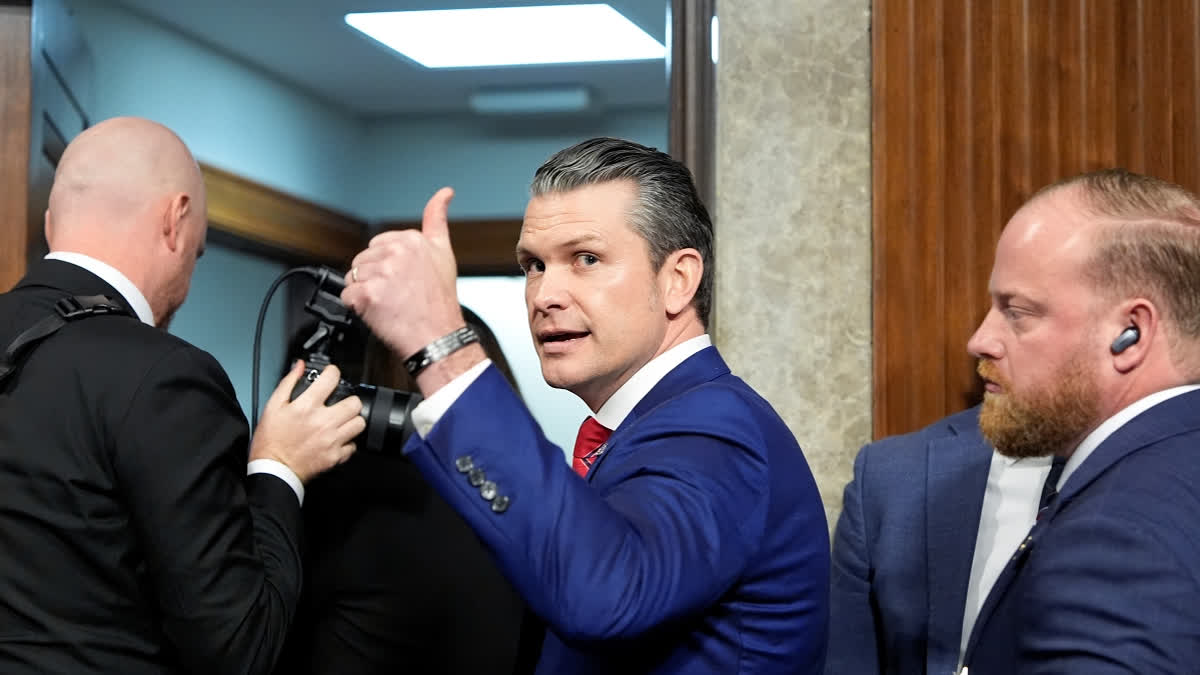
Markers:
point(903, 548)
point(1108, 580)
point(697, 544)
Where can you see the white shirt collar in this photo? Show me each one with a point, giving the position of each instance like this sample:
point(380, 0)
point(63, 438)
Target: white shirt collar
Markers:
point(620, 404)
point(1102, 432)
point(113, 277)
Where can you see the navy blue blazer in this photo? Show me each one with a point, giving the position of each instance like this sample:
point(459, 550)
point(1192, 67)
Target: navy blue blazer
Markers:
point(697, 544)
point(903, 548)
point(1108, 580)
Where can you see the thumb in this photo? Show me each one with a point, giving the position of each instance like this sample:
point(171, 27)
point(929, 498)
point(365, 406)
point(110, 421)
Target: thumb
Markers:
point(283, 392)
point(434, 222)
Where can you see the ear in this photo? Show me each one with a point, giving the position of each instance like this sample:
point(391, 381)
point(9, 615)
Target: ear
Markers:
point(679, 278)
point(1143, 315)
point(174, 217)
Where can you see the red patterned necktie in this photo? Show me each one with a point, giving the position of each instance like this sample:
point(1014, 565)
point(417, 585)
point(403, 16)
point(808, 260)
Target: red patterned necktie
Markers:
point(591, 436)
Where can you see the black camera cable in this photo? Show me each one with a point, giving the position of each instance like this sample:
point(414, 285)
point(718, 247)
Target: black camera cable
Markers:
point(315, 273)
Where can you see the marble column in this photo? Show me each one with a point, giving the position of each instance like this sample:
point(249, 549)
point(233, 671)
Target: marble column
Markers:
point(793, 219)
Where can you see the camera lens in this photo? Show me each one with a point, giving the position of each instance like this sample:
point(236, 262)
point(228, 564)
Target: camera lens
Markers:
point(389, 417)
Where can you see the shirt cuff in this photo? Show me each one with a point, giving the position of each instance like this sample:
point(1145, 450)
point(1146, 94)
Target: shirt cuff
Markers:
point(428, 412)
point(280, 471)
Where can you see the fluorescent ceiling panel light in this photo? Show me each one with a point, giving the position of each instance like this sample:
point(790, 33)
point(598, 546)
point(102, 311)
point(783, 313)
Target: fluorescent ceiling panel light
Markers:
point(510, 36)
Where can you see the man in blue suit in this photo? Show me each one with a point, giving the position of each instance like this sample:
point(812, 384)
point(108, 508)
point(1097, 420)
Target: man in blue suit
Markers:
point(1091, 350)
point(696, 542)
point(928, 521)
point(902, 551)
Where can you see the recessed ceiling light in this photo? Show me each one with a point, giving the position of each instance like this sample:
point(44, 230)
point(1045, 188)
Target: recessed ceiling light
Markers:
point(509, 36)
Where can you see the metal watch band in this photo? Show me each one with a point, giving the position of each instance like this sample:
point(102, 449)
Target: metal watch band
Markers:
point(439, 349)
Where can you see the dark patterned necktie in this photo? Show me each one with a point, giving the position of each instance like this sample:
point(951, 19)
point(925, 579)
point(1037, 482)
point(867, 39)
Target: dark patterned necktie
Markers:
point(1050, 487)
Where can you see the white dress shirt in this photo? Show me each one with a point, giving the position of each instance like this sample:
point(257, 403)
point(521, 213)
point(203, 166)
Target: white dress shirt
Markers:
point(611, 413)
point(137, 301)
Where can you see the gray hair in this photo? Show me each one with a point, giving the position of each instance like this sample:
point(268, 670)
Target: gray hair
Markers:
point(667, 213)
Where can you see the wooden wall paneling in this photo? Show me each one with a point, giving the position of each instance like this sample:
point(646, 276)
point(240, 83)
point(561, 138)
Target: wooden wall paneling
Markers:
point(1185, 88)
point(975, 106)
point(1012, 120)
point(1130, 86)
point(1156, 89)
point(1070, 83)
point(16, 108)
point(1100, 73)
point(930, 161)
point(961, 300)
point(890, 112)
point(1045, 69)
point(984, 196)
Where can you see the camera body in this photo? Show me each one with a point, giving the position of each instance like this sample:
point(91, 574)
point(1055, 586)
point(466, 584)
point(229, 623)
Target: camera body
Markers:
point(387, 412)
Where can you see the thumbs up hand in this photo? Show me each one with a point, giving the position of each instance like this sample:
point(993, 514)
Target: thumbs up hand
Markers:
point(403, 284)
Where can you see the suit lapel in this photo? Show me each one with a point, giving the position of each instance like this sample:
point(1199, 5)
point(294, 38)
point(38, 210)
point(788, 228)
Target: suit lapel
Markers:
point(956, 478)
point(703, 366)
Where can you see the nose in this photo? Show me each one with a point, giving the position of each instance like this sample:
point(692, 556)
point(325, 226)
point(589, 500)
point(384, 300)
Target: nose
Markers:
point(549, 291)
point(984, 343)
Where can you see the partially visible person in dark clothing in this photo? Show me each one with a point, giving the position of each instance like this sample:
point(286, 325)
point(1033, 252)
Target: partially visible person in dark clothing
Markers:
point(142, 531)
point(395, 581)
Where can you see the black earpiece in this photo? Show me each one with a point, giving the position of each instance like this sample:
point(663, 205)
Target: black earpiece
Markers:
point(1126, 339)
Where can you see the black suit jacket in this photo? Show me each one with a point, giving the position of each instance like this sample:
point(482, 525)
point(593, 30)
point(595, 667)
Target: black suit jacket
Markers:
point(131, 539)
point(397, 583)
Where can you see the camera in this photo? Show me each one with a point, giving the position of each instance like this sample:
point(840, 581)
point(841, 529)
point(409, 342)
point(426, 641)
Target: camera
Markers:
point(387, 412)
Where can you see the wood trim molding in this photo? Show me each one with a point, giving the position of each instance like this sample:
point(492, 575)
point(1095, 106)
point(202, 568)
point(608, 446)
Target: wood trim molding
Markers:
point(482, 247)
point(295, 228)
point(16, 228)
point(279, 221)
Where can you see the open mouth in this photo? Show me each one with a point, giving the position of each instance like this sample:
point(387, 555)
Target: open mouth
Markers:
point(562, 336)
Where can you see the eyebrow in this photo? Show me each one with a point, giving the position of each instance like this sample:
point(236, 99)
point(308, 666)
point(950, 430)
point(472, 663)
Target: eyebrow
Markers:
point(1007, 298)
point(570, 243)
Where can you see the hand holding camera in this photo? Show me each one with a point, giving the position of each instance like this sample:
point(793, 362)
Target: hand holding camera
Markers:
point(305, 434)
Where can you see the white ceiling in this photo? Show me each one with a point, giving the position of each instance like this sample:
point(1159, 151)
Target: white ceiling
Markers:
point(307, 44)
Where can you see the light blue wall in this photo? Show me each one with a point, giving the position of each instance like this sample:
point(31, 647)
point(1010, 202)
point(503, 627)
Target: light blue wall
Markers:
point(489, 163)
point(231, 116)
point(236, 118)
point(220, 312)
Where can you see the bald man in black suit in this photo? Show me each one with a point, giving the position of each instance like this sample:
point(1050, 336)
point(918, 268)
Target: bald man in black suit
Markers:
point(140, 532)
